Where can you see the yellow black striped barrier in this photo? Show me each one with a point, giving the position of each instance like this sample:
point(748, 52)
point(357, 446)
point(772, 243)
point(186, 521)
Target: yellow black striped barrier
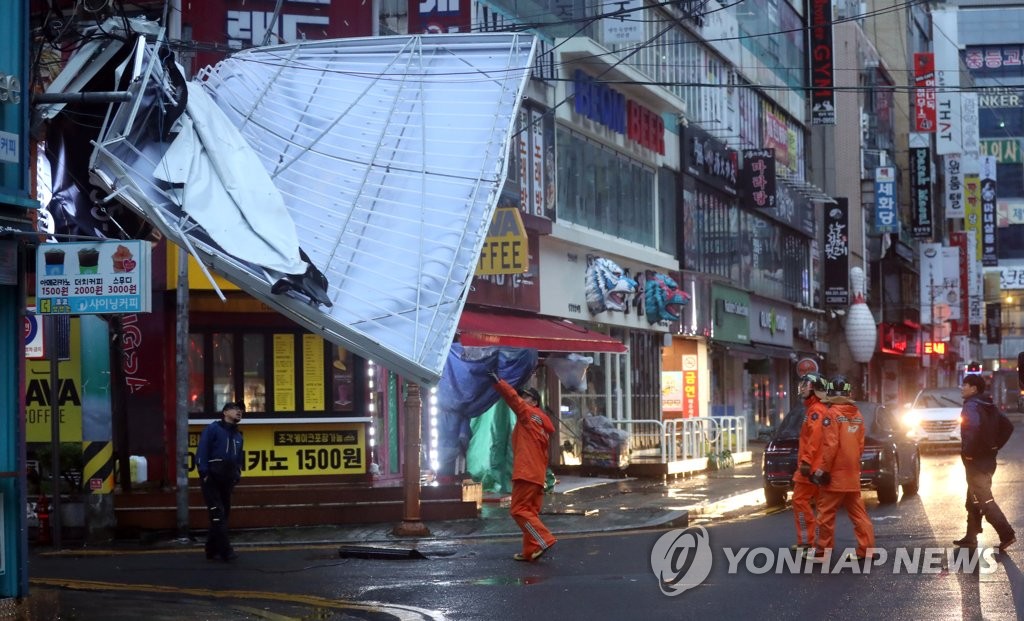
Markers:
point(99, 466)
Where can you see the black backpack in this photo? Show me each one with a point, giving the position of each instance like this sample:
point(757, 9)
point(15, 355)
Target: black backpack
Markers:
point(1003, 430)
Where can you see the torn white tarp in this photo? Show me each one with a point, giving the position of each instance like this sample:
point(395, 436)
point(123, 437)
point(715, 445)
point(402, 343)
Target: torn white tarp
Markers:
point(226, 191)
point(389, 154)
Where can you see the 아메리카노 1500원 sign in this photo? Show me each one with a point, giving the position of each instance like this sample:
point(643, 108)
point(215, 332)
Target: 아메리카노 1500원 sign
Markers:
point(93, 278)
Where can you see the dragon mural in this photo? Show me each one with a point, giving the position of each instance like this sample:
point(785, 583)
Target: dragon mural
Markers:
point(664, 300)
point(607, 286)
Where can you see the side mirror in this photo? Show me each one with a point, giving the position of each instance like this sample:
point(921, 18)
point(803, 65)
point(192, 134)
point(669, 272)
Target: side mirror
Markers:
point(1020, 369)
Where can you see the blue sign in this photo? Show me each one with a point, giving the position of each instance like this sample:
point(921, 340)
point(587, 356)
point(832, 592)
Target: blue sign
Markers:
point(886, 218)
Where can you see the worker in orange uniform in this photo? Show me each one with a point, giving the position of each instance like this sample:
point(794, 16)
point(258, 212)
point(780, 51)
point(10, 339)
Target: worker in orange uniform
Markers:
point(812, 388)
point(839, 472)
point(529, 467)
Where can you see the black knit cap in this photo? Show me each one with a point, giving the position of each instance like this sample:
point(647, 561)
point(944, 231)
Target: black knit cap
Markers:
point(530, 392)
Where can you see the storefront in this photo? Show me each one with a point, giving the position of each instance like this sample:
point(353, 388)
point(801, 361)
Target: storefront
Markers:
point(731, 384)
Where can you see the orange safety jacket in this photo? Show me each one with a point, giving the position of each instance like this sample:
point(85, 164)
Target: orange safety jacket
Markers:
point(529, 438)
point(842, 445)
point(810, 436)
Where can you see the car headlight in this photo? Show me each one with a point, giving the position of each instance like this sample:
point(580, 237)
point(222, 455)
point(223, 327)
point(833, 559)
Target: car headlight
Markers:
point(911, 419)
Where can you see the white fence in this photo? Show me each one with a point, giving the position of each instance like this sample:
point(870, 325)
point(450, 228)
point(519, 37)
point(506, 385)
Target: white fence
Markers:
point(679, 439)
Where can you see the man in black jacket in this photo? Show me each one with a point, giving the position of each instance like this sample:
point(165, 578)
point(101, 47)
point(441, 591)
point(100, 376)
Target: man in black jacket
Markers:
point(978, 447)
point(220, 459)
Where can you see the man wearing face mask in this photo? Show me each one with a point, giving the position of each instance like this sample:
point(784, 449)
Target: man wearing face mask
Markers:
point(220, 459)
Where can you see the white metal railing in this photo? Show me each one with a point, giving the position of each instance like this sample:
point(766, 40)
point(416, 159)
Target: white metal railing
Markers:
point(688, 438)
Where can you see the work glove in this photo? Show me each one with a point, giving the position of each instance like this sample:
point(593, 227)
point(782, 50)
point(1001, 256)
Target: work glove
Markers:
point(494, 376)
point(805, 469)
point(820, 477)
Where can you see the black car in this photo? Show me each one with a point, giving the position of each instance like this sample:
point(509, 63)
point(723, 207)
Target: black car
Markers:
point(890, 459)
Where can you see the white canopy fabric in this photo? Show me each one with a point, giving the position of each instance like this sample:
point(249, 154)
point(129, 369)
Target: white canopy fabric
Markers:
point(387, 155)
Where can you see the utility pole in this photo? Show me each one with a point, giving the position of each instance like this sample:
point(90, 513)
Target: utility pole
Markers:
point(172, 20)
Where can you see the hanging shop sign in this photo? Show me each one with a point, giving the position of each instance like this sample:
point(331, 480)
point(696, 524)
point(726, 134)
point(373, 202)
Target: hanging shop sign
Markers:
point(758, 180)
point(989, 239)
point(823, 104)
point(921, 193)
point(1000, 97)
point(886, 218)
point(1005, 150)
point(972, 209)
point(969, 128)
point(731, 314)
point(606, 106)
point(837, 253)
point(710, 160)
point(948, 132)
point(924, 92)
point(93, 278)
point(954, 186)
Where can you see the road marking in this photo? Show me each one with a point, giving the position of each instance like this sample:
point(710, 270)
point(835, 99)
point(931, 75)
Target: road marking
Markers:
point(400, 612)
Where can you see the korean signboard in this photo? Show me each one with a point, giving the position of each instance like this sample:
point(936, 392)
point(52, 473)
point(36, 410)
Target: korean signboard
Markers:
point(886, 217)
point(948, 136)
point(1005, 150)
point(931, 280)
point(989, 240)
point(709, 160)
point(299, 450)
point(953, 186)
point(924, 92)
point(823, 105)
point(758, 179)
point(691, 387)
point(625, 23)
point(970, 130)
point(92, 278)
point(921, 193)
point(38, 396)
point(972, 209)
point(837, 253)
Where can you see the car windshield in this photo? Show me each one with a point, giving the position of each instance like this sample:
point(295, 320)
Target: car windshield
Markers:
point(789, 428)
point(939, 398)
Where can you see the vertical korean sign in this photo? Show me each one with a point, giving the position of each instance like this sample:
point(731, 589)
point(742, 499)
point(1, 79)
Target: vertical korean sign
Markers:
point(921, 192)
point(948, 138)
point(989, 240)
point(972, 209)
point(823, 104)
point(970, 131)
point(837, 253)
point(758, 181)
point(931, 279)
point(954, 185)
point(924, 92)
point(886, 220)
point(958, 240)
point(691, 381)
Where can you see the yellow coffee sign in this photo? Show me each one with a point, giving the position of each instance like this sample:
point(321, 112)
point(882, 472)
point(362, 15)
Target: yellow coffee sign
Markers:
point(307, 449)
point(505, 250)
point(38, 398)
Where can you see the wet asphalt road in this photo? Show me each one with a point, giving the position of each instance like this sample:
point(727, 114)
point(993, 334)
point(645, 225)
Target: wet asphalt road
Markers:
point(592, 576)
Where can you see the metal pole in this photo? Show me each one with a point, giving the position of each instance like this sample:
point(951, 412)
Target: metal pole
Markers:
point(181, 400)
point(52, 353)
point(411, 525)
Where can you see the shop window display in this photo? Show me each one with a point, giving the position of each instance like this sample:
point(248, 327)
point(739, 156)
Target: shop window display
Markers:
point(196, 373)
point(254, 372)
point(223, 370)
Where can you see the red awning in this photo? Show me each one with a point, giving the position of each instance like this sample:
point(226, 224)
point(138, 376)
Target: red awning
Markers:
point(478, 329)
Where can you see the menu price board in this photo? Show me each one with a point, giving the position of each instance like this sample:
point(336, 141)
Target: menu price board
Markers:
point(93, 278)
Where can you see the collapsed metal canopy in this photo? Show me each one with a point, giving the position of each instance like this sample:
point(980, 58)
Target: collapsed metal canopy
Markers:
point(386, 156)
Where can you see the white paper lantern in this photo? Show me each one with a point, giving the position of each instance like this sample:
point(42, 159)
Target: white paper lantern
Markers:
point(861, 331)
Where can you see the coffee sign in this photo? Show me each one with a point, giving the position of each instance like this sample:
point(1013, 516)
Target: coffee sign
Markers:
point(93, 278)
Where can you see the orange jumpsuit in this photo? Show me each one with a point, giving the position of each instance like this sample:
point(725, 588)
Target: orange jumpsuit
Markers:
point(842, 446)
point(805, 492)
point(529, 469)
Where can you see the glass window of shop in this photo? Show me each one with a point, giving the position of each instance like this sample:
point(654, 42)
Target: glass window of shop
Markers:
point(610, 381)
point(716, 234)
point(274, 374)
point(605, 190)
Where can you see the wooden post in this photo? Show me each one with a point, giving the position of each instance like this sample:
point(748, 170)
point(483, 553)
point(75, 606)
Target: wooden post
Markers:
point(412, 525)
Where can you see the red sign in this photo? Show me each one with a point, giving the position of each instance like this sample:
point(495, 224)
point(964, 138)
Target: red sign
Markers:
point(805, 366)
point(439, 16)
point(893, 340)
point(691, 407)
point(934, 348)
point(237, 24)
point(924, 92)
